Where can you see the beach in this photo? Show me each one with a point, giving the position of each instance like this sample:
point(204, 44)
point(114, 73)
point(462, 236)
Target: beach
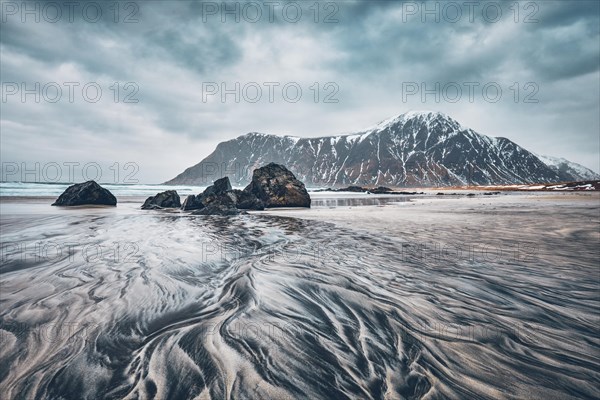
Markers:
point(360, 296)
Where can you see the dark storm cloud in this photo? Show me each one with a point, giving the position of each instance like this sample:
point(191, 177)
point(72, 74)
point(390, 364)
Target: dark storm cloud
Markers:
point(197, 53)
point(564, 13)
point(370, 52)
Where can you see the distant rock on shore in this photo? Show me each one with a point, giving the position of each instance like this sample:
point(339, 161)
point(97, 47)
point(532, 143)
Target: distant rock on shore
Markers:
point(360, 189)
point(87, 193)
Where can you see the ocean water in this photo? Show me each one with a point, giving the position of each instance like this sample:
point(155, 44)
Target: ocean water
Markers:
point(354, 299)
point(36, 189)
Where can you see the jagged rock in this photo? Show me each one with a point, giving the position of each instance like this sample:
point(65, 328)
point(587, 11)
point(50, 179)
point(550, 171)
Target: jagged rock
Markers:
point(217, 199)
point(86, 193)
point(219, 186)
point(276, 186)
point(168, 199)
point(246, 200)
point(192, 202)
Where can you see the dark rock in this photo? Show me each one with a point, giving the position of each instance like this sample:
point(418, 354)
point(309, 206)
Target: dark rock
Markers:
point(168, 199)
point(440, 194)
point(223, 198)
point(246, 200)
point(276, 186)
point(381, 190)
point(220, 199)
point(359, 189)
point(221, 203)
point(218, 202)
point(219, 186)
point(222, 185)
point(86, 193)
point(352, 189)
point(192, 202)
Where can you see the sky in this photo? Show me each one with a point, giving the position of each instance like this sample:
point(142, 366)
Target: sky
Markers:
point(138, 91)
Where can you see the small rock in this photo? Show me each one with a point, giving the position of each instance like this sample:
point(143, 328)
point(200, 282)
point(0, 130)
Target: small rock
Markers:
point(168, 199)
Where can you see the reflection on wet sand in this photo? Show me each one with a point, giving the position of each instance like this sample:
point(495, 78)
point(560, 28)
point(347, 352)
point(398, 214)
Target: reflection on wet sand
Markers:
point(169, 305)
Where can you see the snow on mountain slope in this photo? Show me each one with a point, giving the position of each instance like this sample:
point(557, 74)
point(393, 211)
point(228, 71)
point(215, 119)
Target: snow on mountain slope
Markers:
point(568, 170)
point(418, 148)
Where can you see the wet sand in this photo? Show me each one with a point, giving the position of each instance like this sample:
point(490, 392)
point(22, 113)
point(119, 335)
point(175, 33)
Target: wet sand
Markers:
point(362, 296)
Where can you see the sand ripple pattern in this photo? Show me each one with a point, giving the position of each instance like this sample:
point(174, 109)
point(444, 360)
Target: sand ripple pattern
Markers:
point(265, 307)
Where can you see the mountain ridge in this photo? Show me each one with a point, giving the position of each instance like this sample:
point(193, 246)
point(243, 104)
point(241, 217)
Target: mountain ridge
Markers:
point(417, 148)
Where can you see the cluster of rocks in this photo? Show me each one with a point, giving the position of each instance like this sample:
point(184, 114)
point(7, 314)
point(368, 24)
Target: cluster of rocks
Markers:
point(272, 186)
point(468, 194)
point(361, 189)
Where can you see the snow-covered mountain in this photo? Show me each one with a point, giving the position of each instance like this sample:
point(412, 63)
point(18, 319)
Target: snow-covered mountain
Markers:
point(568, 170)
point(419, 148)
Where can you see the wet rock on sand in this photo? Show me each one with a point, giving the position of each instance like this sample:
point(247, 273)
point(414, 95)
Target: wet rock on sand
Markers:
point(87, 193)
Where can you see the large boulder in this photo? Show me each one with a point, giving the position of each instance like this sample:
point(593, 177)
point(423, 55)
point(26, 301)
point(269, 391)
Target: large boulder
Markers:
point(86, 193)
point(168, 199)
point(192, 202)
point(276, 186)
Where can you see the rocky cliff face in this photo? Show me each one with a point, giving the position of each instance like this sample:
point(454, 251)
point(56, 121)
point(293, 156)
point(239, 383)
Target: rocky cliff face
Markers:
point(412, 149)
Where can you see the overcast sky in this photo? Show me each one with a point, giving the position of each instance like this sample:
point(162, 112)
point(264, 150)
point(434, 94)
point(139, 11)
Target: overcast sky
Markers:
point(369, 60)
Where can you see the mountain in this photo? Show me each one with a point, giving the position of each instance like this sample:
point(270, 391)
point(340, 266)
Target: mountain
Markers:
point(568, 170)
point(419, 148)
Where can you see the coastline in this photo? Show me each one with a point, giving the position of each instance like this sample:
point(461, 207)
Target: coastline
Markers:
point(398, 281)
